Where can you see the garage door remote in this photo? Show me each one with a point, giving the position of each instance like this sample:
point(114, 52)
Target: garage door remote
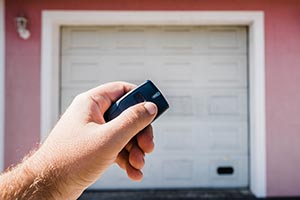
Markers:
point(147, 91)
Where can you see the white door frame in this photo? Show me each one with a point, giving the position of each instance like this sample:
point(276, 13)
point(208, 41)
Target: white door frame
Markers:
point(53, 20)
point(2, 83)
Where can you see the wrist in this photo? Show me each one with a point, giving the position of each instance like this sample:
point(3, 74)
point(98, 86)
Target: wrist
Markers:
point(52, 175)
point(45, 174)
point(40, 177)
point(27, 181)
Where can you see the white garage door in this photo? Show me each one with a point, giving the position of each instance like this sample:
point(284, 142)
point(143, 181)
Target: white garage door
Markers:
point(202, 141)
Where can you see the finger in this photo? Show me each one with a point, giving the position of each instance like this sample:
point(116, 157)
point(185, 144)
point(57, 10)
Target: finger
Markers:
point(134, 174)
point(105, 95)
point(130, 144)
point(123, 162)
point(122, 159)
point(124, 127)
point(145, 139)
point(136, 158)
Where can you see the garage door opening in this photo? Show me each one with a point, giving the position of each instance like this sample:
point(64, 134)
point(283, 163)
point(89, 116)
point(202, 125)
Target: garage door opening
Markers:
point(202, 141)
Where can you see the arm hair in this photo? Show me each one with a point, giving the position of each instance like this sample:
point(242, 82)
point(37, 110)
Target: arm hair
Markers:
point(21, 182)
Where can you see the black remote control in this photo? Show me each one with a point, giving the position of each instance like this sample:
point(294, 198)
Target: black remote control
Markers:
point(147, 91)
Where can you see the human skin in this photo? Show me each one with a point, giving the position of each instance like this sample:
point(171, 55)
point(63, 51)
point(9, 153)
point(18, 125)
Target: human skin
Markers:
point(82, 146)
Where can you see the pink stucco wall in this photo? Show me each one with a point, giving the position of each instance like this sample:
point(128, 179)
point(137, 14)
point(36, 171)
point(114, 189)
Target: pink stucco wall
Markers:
point(282, 32)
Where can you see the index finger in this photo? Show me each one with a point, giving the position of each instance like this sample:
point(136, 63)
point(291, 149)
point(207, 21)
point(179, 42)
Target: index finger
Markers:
point(104, 95)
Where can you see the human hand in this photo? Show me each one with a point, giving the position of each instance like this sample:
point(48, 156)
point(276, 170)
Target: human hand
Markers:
point(82, 145)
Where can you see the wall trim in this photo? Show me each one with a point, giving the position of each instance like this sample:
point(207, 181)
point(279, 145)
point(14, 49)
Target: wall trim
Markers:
point(2, 83)
point(52, 20)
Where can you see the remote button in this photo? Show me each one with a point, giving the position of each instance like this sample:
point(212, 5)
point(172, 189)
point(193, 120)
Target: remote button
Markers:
point(139, 97)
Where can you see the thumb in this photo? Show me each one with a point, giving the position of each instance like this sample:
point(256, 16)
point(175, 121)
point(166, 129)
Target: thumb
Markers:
point(131, 121)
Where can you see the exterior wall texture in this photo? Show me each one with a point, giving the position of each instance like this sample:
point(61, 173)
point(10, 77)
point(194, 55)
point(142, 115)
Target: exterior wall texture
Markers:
point(282, 47)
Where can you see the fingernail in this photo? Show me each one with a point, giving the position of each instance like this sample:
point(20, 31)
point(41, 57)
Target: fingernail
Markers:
point(151, 108)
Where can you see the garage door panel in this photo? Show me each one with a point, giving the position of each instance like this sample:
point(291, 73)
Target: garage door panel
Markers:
point(193, 173)
point(128, 68)
point(152, 176)
point(168, 39)
point(127, 40)
point(201, 71)
point(132, 68)
point(80, 40)
point(213, 138)
point(179, 71)
point(197, 172)
point(227, 138)
point(202, 141)
point(170, 169)
point(207, 104)
point(182, 105)
point(238, 177)
point(154, 40)
point(226, 104)
point(216, 40)
point(164, 174)
point(186, 71)
point(224, 71)
point(69, 95)
point(222, 39)
point(175, 137)
point(81, 71)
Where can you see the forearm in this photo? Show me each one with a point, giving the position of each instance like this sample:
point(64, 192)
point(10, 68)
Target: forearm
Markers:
point(15, 182)
point(24, 181)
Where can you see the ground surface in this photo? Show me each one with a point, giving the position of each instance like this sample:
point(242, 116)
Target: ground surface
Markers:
point(187, 194)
